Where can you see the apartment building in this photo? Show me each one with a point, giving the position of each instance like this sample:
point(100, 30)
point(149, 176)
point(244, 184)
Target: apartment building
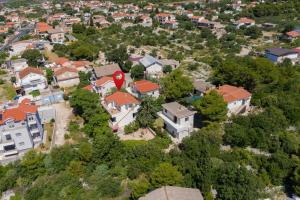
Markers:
point(20, 128)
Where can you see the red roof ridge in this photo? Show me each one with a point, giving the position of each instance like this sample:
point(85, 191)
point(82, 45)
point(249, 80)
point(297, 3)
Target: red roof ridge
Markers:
point(29, 70)
point(121, 98)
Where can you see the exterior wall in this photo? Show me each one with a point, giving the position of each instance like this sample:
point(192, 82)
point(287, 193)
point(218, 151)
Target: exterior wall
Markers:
point(125, 116)
point(105, 89)
point(280, 59)
point(24, 135)
point(33, 82)
point(68, 83)
point(57, 38)
point(180, 129)
point(234, 106)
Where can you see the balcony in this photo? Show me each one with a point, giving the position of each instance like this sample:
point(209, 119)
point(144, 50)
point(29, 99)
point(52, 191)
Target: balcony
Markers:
point(32, 122)
point(10, 153)
point(34, 130)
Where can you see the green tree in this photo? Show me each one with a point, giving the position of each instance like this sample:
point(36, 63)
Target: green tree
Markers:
point(212, 107)
point(237, 183)
point(147, 112)
point(167, 69)
point(140, 186)
point(137, 72)
point(175, 85)
point(165, 174)
point(32, 56)
point(84, 79)
point(296, 180)
point(78, 28)
point(85, 103)
point(49, 75)
point(118, 55)
point(85, 151)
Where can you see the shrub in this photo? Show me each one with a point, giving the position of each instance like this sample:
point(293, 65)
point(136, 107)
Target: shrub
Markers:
point(132, 127)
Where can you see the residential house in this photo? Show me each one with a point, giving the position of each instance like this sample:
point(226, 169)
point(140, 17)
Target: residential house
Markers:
point(172, 24)
point(122, 108)
point(237, 98)
point(31, 79)
point(42, 28)
point(204, 23)
point(178, 120)
point(144, 88)
point(3, 29)
point(20, 129)
point(57, 36)
point(202, 87)
point(164, 17)
point(17, 65)
point(118, 16)
point(81, 65)
point(106, 70)
point(173, 193)
point(146, 21)
point(245, 22)
point(153, 67)
point(103, 86)
point(66, 77)
point(62, 62)
point(278, 55)
point(292, 35)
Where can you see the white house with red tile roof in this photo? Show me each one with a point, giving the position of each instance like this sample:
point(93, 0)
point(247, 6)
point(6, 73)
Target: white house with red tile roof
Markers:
point(42, 28)
point(292, 34)
point(122, 108)
point(237, 98)
point(244, 21)
point(31, 79)
point(144, 88)
point(20, 129)
point(66, 77)
point(164, 17)
point(103, 85)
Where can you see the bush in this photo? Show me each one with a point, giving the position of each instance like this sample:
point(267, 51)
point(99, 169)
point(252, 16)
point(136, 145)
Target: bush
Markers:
point(132, 127)
point(2, 81)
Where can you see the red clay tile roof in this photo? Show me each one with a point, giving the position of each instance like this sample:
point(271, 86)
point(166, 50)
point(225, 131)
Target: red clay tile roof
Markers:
point(64, 70)
point(144, 86)
point(18, 113)
point(293, 34)
point(121, 98)
point(163, 15)
point(232, 93)
point(80, 63)
point(61, 60)
point(103, 80)
point(42, 27)
point(30, 70)
point(245, 20)
point(88, 87)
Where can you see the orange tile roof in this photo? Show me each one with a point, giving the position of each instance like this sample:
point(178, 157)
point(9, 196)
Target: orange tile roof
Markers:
point(144, 86)
point(61, 60)
point(80, 63)
point(231, 93)
point(88, 87)
point(42, 27)
point(293, 34)
point(103, 80)
point(18, 113)
point(121, 98)
point(64, 70)
point(246, 20)
point(163, 15)
point(29, 70)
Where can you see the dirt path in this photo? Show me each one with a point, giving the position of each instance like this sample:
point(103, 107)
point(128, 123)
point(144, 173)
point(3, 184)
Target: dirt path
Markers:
point(63, 117)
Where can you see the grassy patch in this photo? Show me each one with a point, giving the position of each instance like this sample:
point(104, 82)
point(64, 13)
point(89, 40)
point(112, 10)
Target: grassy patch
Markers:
point(7, 92)
point(49, 128)
point(35, 93)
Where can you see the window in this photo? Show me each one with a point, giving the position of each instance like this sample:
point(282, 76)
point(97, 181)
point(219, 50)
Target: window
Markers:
point(18, 134)
point(21, 143)
point(8, 137)
point(11, 126)
point(187, 119)
point(113, 119)
point(166, 111)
